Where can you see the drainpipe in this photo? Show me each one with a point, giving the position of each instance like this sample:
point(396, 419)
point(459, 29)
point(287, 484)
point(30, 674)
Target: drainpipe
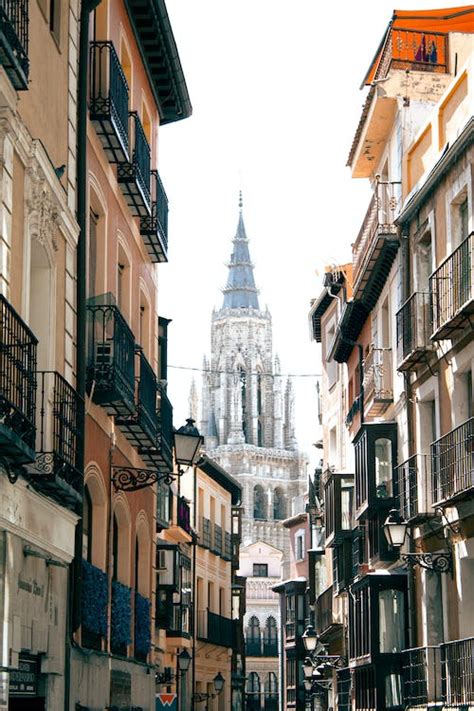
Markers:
point(411, 602)
point(75, 572)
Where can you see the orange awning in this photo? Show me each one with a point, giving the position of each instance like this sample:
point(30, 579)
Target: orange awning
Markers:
point(451, 19)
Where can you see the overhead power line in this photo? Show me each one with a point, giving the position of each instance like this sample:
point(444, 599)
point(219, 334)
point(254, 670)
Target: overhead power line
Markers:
point(233, 372)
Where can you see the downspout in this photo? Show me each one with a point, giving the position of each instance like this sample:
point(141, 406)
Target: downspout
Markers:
point(73, 618)
point(411, 602)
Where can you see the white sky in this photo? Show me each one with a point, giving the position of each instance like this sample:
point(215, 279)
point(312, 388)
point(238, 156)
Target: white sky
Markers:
point(274, 86)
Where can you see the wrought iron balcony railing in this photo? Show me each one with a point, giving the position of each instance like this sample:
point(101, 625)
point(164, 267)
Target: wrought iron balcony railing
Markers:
point(452, 290)
point(452, 463)
point(378, 381)
point(253, 647)
point(58, 435)
point(377, 234)
point(457, 672)
point(414, 493)
point(18, 348)
point(421, 676)
point(215, 629)
point(154, 227)
point(216, 544)
point(110, 360)
point(270, 648)
point(414, 50)
point(134, 175)
point(205, 532)
point(414, 326)
point(14, 19)
point(109, 97)
point(156, 451)
point(141, 426)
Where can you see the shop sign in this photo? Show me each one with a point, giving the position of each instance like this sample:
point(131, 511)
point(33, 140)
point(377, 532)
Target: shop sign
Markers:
point(24, 680)
point(166, 702)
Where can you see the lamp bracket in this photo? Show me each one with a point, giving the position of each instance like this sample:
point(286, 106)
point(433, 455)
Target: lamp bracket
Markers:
point(133, 478)
point(437, 562)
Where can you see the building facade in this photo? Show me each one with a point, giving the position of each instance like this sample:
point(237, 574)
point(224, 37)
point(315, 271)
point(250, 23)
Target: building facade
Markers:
point(135, 85)
point(40, 436)
point(396, 621)
point(248, 420)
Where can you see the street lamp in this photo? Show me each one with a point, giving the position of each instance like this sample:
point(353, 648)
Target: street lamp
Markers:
point(310, 638)
point(186, 442)
point(184, 660)
point(219, 682)
point(395, 529)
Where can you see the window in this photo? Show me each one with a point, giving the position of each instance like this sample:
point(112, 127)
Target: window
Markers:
point(259, 507)
point(383, 468)
point(391, 621)
point(87, 526)
point(270, 637)
point(163, 348)
point(299, 541)
point(260, 570)
point(92, 254)
point(55, 19)
point(243, 396)
point(279, 508)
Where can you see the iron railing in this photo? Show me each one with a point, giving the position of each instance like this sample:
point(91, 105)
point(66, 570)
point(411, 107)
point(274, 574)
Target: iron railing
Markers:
point(414, 326)
point(58, 434)
point(457, 671)
point(14, 20)
point(165, 426)
point(184, 514)
point(343, 689)
point(270, 647)
point(452, 463)
point(110, 359)
point(205, 532)
point(378, 381)
point(227, 551)
point(421, 676)
point(413, 486)
point(147, 396)
point(154, 227)
point(253, 647)
point(109, 97)
point(216, 545)
point(18, 348)
point(452, 288)
point(415, 50)
point(215, 629)
point(134, 176)
point(379, 219)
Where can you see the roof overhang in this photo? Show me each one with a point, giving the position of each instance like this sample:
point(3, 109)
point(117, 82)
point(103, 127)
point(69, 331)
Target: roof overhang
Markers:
point(160, 57)
point(373, 131)
point(350, 325)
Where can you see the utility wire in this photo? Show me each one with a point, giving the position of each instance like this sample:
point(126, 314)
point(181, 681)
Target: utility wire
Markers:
point(234, 372)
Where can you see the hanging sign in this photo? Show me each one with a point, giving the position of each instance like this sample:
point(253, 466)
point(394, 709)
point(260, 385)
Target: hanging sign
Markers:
point(166, 702)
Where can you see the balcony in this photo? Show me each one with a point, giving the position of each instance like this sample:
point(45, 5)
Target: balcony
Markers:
point(378, 381)
point(338, 501)
point(227, 551)
point(375, 459)
point(154, 227)
point(415, 51)
point(215, 629)
point(184, 515)
point(120, 618)
point(141, 426)
point(414, 327)
point(421, 676)
point(17, 387)
point(179, 621)
point(376, 245)
point(58, 439)
point(108, 108)
point(14, 19)
point(253, 647)
point(110, 360)
point(414, 494)
point(205, 532)
point(216, 541)
point(270, 647)
point(452, 290)
point(134, 175)
point(457, 672)
point(325, 623)
point(452, 464)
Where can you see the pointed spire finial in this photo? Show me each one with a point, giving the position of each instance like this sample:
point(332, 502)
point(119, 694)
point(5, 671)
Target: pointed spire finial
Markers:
point(240, 200)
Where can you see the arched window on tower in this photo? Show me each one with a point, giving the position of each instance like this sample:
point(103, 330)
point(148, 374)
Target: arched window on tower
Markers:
point(243, 395)
point(259, 507)
point(271, 692)
point(252, 638)
point(253, 692)
point(270, 641)
point(279, 505)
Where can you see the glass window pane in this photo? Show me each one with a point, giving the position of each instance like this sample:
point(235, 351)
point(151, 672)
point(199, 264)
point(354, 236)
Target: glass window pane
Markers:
point(383, 468)
point(391, 621)
point(393, 690)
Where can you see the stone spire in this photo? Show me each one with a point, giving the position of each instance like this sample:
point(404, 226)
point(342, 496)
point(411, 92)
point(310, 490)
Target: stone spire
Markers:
point(193, 401)
point(240, 291)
